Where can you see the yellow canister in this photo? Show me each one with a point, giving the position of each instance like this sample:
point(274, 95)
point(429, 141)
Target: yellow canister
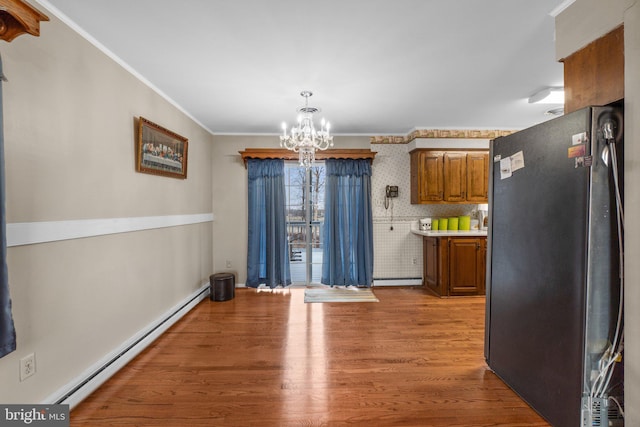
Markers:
point(453, 224)
point(464, 222)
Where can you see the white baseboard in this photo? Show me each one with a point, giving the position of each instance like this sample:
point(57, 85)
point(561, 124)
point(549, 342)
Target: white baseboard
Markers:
point(397, 282)
point(87, 382)
point(376, 282)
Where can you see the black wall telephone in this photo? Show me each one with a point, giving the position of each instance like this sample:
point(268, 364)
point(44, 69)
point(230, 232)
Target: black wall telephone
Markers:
point(390, 192)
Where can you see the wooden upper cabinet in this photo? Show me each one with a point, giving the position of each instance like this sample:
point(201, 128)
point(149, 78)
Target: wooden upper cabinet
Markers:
point(427, 179)
point(455, 177)
point(594, 75)
point(449, 176)
point(433, 185)
point(477, 177)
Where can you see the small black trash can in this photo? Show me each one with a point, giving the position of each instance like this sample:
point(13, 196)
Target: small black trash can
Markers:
point(222, 286)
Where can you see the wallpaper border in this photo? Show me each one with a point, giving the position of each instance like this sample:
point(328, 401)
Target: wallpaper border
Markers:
point(441, 133)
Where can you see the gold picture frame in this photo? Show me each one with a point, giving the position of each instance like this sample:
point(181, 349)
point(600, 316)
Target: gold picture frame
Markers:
point(160, 151)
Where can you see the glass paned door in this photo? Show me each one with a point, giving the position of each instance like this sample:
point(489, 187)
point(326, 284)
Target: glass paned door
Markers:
point(305, 218)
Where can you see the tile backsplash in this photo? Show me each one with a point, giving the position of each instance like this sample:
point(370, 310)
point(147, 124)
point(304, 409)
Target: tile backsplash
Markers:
point(397, 252)
point(392, 167)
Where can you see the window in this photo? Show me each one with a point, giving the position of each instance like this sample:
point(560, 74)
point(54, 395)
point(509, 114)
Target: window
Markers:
point(305, 219)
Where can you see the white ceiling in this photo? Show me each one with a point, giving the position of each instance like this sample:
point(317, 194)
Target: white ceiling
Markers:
point(376, 67)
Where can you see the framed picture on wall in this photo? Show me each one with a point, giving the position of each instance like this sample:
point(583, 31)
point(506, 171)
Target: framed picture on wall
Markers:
point(160, 151)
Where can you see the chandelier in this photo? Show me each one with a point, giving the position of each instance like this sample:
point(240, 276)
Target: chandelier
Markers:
point(304, 139)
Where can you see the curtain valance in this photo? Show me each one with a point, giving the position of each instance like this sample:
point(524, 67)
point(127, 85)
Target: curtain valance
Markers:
point(284, 154)
point(347, 167)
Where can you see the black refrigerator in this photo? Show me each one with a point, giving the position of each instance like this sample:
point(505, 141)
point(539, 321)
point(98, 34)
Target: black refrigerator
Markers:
point(554, 291)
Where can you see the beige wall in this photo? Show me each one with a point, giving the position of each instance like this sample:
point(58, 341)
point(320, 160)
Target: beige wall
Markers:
point(230, 202)
point(69, 147)
point(578, 25)
point(394, 250)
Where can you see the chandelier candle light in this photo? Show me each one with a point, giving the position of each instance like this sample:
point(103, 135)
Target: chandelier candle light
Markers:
point(304, 139)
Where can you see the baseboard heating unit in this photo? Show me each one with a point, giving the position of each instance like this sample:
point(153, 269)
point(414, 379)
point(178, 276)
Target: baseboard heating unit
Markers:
point(96, 375)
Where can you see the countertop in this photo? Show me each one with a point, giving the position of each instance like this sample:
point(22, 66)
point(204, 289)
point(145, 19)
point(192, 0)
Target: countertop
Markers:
point(451, 233)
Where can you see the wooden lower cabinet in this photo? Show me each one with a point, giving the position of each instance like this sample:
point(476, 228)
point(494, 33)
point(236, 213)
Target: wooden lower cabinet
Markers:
point(432, 265)
point(455, 266)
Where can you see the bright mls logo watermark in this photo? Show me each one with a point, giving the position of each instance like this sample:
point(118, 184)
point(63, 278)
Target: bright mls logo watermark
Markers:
point(34, 415)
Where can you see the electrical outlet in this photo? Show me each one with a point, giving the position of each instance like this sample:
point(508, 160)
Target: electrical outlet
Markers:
point(414, 261)
point(228, 264)
point(27, 366)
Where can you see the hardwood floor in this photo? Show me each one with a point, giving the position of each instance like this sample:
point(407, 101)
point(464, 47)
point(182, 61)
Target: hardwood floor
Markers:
point(268, 359)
